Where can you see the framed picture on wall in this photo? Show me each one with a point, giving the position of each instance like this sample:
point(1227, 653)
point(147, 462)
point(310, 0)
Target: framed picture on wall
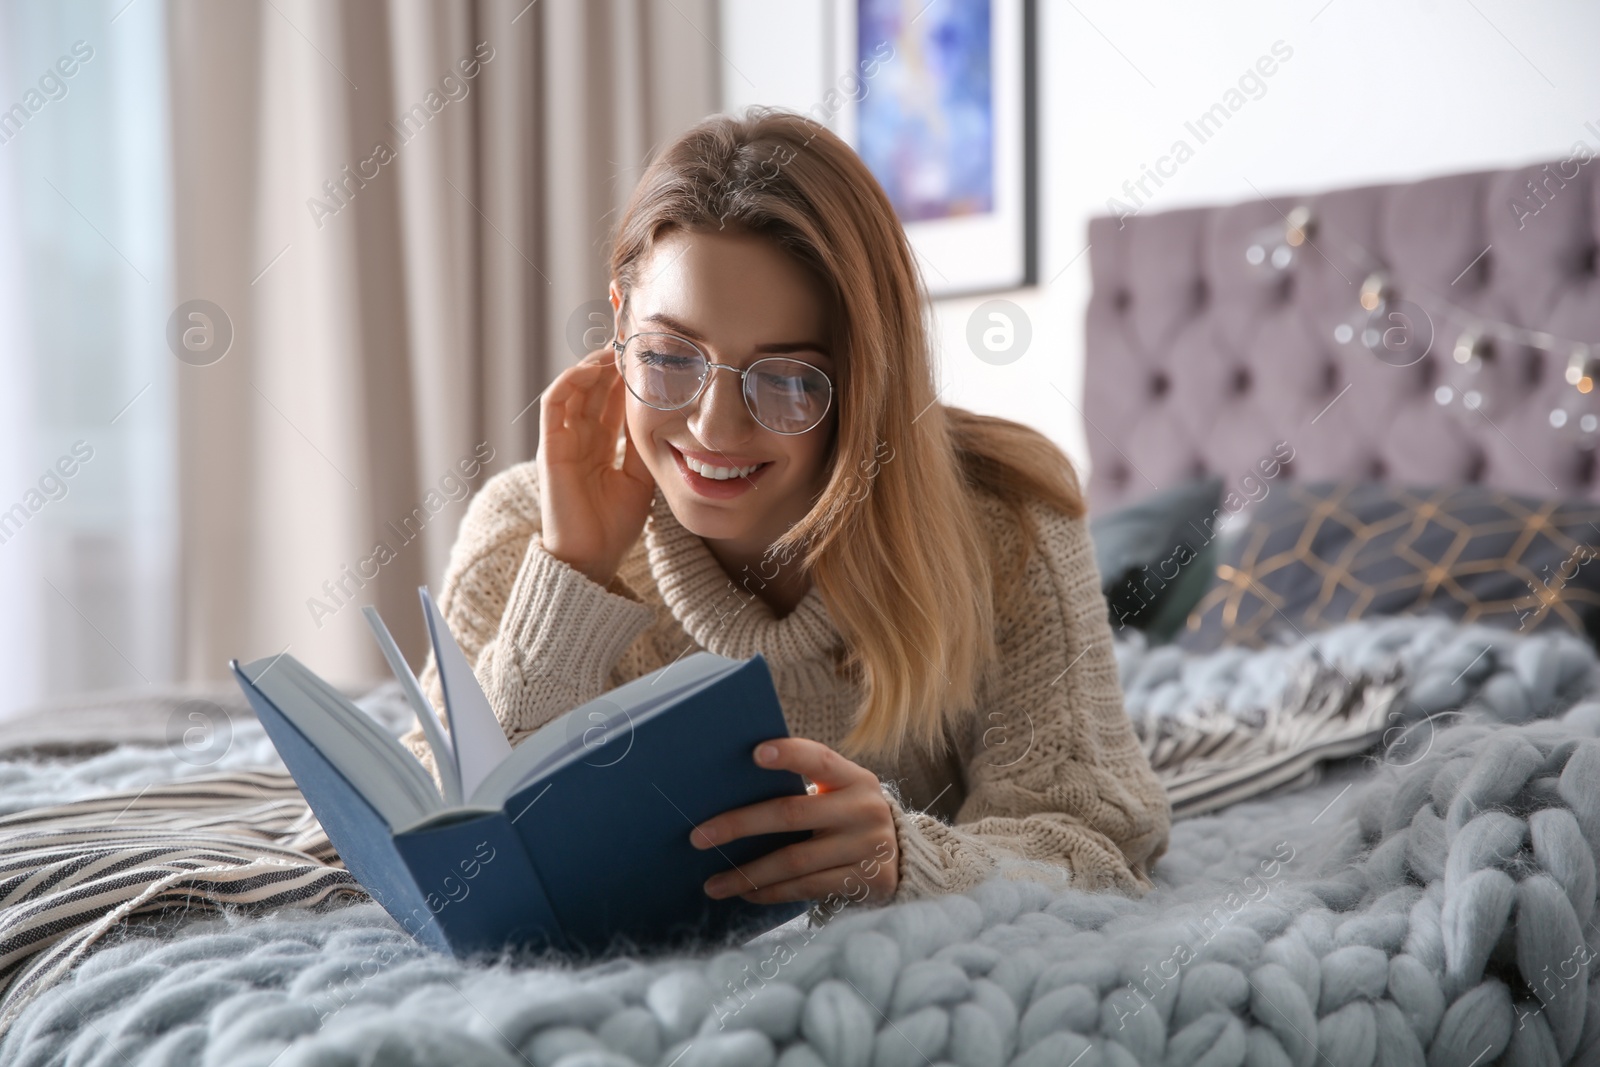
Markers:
point(943, 114)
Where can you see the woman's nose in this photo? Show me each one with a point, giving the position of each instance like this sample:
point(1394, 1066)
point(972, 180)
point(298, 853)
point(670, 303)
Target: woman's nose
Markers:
point(721, 402)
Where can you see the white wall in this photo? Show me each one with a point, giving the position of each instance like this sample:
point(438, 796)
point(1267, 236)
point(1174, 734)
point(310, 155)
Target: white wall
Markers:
point(1373, 92)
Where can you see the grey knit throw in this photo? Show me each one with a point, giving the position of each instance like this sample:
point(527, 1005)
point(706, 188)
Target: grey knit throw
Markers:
point(1438, 908)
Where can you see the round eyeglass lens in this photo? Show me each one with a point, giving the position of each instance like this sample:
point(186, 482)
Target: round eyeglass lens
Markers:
point(661, 370)
point(786, 395)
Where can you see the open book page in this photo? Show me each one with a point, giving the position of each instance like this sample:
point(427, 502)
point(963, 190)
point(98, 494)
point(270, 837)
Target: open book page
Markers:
point(479, 740)
point(375, 764)
point(607, 720)
point(444, 756)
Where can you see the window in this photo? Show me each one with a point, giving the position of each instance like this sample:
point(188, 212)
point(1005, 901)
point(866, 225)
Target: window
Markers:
point(87, 494)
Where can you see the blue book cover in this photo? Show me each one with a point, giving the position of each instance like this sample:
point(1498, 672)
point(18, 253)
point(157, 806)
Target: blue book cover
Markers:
point(577, 841)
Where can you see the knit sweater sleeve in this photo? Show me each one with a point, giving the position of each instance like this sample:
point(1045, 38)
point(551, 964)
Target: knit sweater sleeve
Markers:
point(542, 636)
point(1057, 786)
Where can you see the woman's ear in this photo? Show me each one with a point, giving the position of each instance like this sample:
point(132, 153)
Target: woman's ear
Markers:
point(616, 309)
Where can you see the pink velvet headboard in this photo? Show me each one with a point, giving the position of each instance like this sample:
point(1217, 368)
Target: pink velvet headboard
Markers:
point(1199, 362)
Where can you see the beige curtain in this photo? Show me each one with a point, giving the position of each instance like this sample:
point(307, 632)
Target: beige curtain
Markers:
point(401, 209)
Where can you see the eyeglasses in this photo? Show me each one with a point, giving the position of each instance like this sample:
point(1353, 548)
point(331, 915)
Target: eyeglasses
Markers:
point(667, 372)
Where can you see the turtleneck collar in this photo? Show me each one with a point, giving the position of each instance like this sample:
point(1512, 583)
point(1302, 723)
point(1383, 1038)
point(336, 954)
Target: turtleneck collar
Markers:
point(720, 614)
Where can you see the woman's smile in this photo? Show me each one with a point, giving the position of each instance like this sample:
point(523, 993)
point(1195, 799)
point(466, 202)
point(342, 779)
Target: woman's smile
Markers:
point(718, 481)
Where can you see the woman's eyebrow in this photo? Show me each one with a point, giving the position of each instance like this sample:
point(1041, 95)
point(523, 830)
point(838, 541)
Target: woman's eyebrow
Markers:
point(775, 348)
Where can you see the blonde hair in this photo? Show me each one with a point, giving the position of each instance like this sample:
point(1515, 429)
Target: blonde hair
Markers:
point(901, 564)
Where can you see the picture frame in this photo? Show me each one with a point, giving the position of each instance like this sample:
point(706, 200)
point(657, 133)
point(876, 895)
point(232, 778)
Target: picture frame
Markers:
point(943, 111)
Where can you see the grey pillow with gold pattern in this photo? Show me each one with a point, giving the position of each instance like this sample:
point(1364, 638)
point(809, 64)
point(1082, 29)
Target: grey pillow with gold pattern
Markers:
point(1320, 553)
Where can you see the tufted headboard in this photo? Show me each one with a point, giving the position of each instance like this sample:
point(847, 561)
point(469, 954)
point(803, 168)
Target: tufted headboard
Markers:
point(1200, 361)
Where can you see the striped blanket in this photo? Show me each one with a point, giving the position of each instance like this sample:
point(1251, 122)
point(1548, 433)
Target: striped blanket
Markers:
point(1210, 758)
point(71, 872)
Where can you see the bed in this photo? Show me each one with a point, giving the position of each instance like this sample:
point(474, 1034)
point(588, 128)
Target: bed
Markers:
point(1387, 825)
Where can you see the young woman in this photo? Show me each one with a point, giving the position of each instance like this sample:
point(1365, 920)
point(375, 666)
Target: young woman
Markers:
point(759, 463)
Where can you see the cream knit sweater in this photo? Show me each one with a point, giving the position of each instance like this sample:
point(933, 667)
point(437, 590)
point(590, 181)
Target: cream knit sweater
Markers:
point(1045, 781)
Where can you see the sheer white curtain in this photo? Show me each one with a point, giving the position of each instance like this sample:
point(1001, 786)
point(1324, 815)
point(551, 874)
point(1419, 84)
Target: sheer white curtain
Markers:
point(86, 471)
point(19, 643)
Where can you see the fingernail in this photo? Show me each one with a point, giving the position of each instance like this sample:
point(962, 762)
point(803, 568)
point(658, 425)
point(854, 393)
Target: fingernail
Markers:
point(766, 753)
point(713, 887)
point(702, 838)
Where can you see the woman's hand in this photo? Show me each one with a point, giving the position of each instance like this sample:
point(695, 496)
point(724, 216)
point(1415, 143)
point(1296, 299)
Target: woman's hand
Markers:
point(591, 513)
point(852, 851)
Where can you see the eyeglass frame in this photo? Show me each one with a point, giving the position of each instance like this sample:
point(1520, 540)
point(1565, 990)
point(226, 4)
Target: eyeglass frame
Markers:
point(619, 346)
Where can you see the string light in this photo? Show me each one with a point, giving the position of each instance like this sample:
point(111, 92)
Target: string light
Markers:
point(1299, 224)
point(1277, 245)
point(1580, 369)
point(1475, 347)
point(1375, 290)
point(1576, 415)
point(1575, 365)
point(1469, 347)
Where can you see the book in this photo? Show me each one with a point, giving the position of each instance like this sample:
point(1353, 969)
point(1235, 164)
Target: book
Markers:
point(576, 841)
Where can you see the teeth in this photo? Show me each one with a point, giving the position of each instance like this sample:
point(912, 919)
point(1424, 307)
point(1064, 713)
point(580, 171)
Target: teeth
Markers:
point(705, 470)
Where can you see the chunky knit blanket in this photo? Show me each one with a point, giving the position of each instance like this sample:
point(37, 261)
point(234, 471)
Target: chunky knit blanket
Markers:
point(1434, 904)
